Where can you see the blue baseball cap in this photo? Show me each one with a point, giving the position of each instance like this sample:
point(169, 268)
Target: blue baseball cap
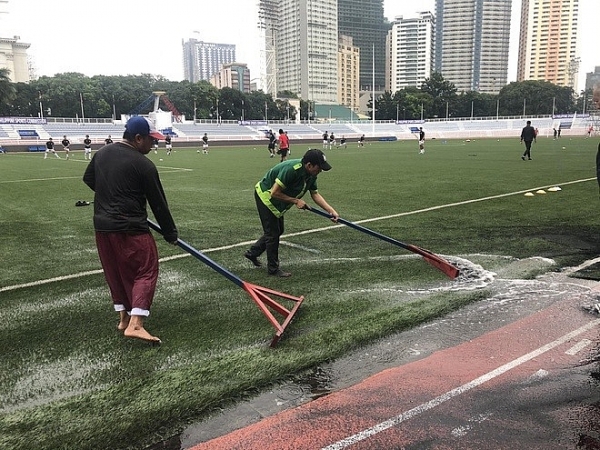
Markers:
point(142, 126)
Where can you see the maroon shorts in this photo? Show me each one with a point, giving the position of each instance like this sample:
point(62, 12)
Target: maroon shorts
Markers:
point(130, 263)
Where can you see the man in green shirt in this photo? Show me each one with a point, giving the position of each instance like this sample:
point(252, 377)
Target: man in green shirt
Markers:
point(282, 187)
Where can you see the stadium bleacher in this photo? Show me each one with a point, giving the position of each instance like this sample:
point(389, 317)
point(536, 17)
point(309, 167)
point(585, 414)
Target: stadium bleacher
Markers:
point(232, 131)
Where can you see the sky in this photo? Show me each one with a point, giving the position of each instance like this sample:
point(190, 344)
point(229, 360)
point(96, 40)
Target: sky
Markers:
point(123, 37)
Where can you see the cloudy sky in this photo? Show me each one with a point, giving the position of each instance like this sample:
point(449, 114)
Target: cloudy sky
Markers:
point(120, 37)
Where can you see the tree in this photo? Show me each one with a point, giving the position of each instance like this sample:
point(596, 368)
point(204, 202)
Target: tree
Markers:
point(25, 103)
point(385, 107)
point(230, 103)
point(411, 102)
point(442, 92)
point(533, 97)
point(473, 103)
point(7, 90)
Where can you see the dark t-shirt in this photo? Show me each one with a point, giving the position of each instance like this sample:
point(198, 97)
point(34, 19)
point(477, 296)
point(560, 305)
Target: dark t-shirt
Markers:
point(528, 133)
point(124, 180)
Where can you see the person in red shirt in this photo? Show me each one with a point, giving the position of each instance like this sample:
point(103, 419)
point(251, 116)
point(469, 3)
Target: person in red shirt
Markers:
point(284, 145)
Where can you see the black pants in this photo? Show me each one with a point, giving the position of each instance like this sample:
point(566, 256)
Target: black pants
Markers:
point(269, 241)
point(527, 153)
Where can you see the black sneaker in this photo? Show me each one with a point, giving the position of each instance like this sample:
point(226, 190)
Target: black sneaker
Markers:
point(523, 158)
point(280, 273)
point(253, 259)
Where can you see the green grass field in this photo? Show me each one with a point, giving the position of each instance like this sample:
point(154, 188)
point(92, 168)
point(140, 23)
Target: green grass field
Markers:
point(69, 380)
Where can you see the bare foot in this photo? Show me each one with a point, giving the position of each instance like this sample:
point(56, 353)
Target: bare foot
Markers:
point(139, 332)
point(123, 322)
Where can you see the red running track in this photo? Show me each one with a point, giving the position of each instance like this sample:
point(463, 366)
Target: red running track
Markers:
point(517, 387)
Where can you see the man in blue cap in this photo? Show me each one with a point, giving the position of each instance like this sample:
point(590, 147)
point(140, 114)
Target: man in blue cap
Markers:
point(124, 181)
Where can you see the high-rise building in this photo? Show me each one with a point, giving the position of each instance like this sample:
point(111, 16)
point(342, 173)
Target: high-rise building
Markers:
point(411, 44)
point(201, 60)
point(364, 22)
point(305, 47)
point(548, 42)
point(234, 76)
point(13, 52)
point(13, 56)
point(472, 43)
point(592, 79)
point(349, 73)
point(268, 24)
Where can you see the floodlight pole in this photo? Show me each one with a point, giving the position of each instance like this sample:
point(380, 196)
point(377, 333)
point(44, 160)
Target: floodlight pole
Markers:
point(81, 101)
point(373, 93)
point(41, 106)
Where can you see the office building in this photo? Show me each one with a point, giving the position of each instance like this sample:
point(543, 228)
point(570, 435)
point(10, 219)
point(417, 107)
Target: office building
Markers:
point(201, 60)
point(592, 79)
point(410, 48)
point(13, 56)
point(234, 76)
point(13, 52)
point(302, 43)
point(268, 26)
point(548, 47)
point(472, 43)
point(349, 73)
point(364, 22)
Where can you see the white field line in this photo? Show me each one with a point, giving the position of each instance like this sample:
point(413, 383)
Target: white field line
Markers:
point(300, 233)
point(41, 179)
point(300, 247)
point(172, 170)
point(394, 421)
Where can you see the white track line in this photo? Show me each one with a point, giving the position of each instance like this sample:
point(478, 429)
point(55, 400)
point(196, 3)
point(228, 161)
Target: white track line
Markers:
point(457, 391)
point(300, 233)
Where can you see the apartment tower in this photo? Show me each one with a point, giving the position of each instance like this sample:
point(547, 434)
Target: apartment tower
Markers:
point(349, 73)
point(364, 22)
point(201, 60)
point(302, 41)
point(410, 47)
point(235, 76)
point(472, 43)
point(548, 42)
point(13, 52)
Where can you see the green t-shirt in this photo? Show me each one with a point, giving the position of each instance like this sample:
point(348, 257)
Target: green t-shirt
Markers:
point(294, 181)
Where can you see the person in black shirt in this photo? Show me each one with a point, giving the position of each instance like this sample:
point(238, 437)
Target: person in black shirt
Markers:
point(66, 144)
point(87, 147)
point(168, 144)
point(50, 148)
point(272, 142)
point(527, 136)
point(124, 180)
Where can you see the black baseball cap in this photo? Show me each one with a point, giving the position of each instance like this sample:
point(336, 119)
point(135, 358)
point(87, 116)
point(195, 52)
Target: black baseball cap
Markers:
point(316, 157)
